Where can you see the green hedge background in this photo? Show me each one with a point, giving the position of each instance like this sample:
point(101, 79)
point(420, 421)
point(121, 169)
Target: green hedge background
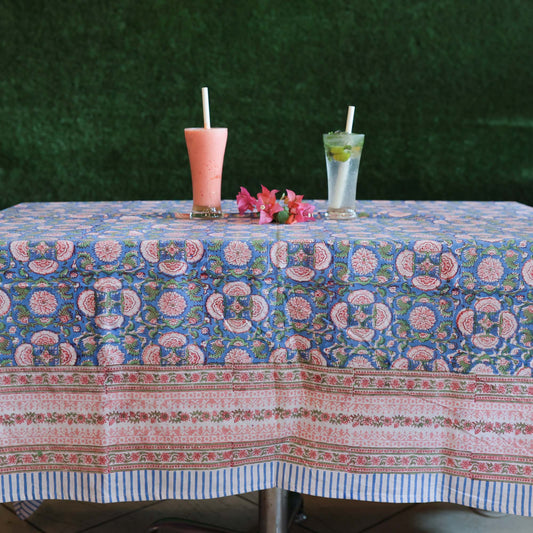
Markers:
point(94, 95)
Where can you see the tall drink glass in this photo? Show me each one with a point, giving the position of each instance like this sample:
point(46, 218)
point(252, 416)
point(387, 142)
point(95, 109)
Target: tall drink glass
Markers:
point(343, 155)
point(206, 147)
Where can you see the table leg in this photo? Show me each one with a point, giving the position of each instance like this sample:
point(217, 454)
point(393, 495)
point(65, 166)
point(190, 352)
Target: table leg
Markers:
point(278, 510)
point(273, 510)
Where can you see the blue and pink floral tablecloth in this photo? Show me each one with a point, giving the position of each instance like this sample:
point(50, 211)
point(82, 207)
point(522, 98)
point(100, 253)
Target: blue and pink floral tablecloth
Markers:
point(144, 355)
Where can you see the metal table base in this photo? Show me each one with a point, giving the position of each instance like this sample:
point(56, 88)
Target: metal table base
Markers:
point(278, 510)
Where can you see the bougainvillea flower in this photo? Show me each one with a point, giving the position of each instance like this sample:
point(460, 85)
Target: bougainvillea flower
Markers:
point(306, 212)
point(298, 211)
point(295, 210)
point(245, 201)
point(267, 205)
point(292, 198)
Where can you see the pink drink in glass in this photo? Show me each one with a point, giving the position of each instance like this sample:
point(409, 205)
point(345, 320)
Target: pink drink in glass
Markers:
point(206, 147)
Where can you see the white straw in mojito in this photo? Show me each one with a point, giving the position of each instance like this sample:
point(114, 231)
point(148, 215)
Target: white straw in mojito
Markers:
point(349, 119)
point(205, 104)
point(338, 193)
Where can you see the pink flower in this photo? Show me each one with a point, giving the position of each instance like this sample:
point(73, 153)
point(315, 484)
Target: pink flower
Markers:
point(295, 209)
point(298, 308)
point(237, 253)
point(267, 205)
point(245, 201)
point(490, 269)
point(364, 261)
point(306, 211)
point(43, 303)
point(108, 250)
point(298, 211)
point(422, 318)
point(292, 198)
point(238, 356)
point(110, 354)
point(172, 303)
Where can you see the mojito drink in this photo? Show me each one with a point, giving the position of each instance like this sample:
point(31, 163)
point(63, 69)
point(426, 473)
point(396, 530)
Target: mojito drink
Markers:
point(343, 155)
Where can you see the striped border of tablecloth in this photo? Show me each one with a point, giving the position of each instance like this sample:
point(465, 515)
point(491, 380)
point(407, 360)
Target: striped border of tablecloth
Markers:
point(26, 508)
point(143, 485)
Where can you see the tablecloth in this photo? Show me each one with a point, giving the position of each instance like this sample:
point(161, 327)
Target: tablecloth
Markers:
point(145, 355)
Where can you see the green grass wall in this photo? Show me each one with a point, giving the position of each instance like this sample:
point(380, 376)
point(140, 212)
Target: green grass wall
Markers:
point(94, 95)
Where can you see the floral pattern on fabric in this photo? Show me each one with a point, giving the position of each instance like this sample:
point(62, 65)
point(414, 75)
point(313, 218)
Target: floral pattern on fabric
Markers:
point(439, 286)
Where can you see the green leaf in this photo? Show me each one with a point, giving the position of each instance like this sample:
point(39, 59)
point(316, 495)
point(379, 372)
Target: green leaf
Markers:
point(282, 216)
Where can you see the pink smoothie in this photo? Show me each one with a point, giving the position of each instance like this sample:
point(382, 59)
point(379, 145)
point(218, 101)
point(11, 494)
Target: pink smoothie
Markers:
point(206, 156)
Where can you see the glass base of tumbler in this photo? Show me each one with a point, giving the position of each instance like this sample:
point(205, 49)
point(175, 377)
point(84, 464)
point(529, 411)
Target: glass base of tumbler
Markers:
point(343, 213)
point(199, 211)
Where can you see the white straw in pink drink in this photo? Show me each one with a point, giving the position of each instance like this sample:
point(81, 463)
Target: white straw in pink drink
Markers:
point(205, 104)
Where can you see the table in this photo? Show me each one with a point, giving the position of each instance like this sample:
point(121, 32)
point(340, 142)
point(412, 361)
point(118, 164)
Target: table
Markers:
point(147, 356)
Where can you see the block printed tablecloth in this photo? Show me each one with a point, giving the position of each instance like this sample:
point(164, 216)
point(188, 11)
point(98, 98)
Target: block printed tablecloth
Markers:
point(146, 356)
